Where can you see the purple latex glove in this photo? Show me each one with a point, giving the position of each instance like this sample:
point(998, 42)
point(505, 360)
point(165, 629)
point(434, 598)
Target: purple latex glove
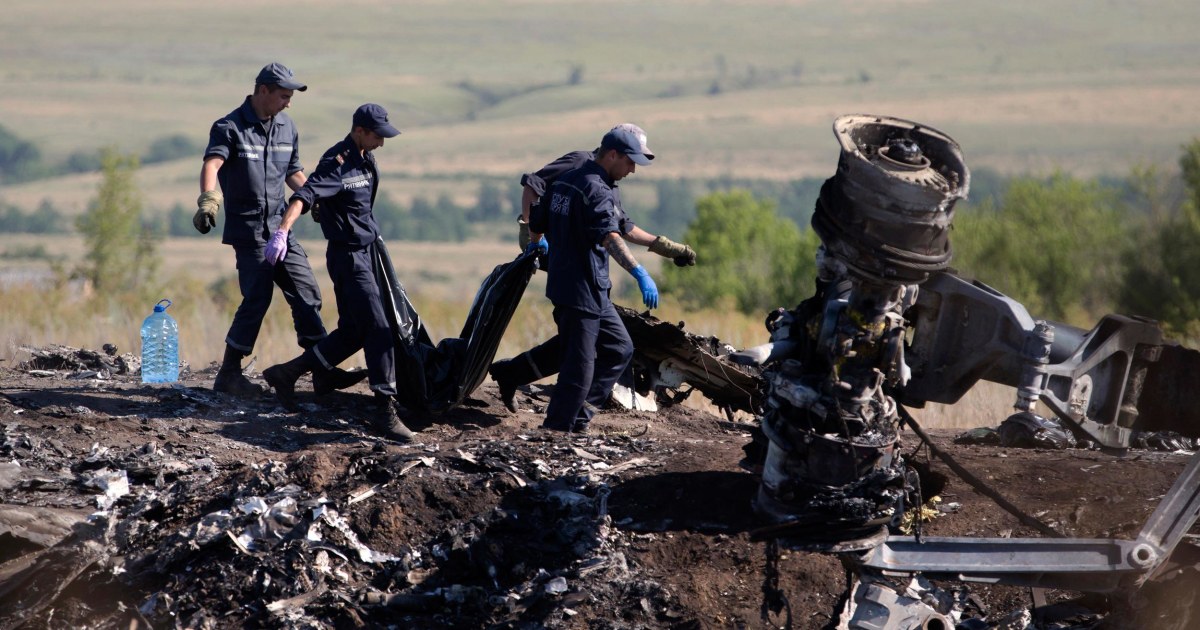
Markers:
point(277, 247)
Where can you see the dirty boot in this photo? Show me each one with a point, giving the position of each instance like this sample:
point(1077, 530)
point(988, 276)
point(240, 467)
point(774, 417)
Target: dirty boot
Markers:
point(387, 422)
point(508, 391)
point(230, 379)
point(283, 378)
point(326, 381)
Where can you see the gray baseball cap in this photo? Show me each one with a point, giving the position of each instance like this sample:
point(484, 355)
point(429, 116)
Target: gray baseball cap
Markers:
point(279, 74)
point(629, 139)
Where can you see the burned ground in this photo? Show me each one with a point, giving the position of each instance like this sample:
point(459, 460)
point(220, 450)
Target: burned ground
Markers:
point(216, 512)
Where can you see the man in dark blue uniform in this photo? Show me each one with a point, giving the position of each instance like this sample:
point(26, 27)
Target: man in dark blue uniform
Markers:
point(544, 359)
point(582, 223)
point(346, 181)
point(253, 151)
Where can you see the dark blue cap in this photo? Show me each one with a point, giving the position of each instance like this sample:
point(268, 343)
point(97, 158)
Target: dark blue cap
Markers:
point(279, 74)
point(374, 117)
point(629, 139)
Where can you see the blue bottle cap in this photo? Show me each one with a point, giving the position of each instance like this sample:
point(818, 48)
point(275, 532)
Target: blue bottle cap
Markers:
point(160, 307)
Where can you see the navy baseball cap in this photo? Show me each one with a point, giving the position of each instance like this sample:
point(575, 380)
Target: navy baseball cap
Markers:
point(279, 74)
point(375, 118)
point(629, 139)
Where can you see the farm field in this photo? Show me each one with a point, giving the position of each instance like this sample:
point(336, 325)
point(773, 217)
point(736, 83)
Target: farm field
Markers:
point(494, 89)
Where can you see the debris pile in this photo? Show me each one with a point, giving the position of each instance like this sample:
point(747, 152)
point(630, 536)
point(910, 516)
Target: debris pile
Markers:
point(80, 363)
point(667, 357)
point(1026, 430)
point(305, 543)
point(134, 506)
point(833, 473)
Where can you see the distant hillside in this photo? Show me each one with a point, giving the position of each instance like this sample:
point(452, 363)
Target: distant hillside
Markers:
point(499, 87)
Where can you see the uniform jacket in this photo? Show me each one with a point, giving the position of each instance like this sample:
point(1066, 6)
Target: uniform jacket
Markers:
point(583, 208)
point(259, 155)
point(346, 182)
point(541, 180)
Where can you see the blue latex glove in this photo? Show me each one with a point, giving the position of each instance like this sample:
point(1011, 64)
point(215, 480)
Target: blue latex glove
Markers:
point(647, 286)
point(539, 244)
point(277, 247)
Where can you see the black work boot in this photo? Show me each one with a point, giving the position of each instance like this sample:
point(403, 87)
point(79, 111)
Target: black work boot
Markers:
point(283, 378)
point(387, 422)
point(508, 391)
point(326, 381)
point(230, 379)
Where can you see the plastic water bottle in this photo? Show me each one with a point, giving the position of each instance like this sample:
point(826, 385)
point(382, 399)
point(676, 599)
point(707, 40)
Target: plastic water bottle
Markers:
point(160, 346)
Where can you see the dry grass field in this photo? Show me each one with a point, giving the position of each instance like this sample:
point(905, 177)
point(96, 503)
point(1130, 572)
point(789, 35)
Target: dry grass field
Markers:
point(440, 278)
point(198, 276)
point(494, 88)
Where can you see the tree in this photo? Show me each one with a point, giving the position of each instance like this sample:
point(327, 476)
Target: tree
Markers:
point(1053, 245)
point(19, 159)
point(676, 206)
point(1189, 167)
point(179, 222)
point(448, 221)
point(491, 205)
point(1162, 278)
point(82, 161)
point(170, 148)
point(394, 221)
point(120, 252)
point(747, 253)
point(576, 75)
point(45, 219)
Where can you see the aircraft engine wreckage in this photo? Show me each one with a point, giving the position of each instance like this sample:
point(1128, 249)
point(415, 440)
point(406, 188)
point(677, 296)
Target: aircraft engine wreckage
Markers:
point(890, 325)
point(833, 470)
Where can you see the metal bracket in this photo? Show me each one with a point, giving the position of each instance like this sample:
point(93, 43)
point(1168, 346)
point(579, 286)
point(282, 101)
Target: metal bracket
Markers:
point(1099, 565)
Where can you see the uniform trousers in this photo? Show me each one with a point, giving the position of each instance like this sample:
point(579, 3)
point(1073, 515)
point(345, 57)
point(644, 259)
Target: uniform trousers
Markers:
point(362, 321)
point(532, 365)
point(596, 349)
point(257, 280)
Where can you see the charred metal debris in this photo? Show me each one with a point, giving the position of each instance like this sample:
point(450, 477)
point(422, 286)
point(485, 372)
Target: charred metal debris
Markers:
point(833, 475)
point(265, 544)
point(671, 363)
point(80, 362)
point(891, 325)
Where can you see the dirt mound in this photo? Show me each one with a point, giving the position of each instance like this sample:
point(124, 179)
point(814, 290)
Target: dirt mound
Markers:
point(178, 506)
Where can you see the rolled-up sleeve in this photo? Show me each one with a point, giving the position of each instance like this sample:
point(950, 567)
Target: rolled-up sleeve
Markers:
point(294, 165)
point(220, 139)
point(326, 181)
point(604, 217)
point(534, 182)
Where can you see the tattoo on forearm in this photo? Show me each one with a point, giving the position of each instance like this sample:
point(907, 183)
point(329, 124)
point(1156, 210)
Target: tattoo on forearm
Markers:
point(619, 251)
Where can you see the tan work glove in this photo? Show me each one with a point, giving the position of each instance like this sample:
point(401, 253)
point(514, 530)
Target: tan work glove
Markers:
point(522, 234)
point(683, 255)
point(208, 204)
